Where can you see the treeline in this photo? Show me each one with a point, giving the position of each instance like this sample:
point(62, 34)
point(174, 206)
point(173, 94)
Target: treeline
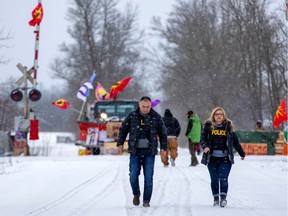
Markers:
point(211, 53)
point(224, 53)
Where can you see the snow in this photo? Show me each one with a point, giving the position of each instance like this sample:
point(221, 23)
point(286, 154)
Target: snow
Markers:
point(68, 184)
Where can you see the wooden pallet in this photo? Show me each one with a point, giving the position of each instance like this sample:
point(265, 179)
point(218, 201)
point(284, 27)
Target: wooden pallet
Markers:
point(280, 145)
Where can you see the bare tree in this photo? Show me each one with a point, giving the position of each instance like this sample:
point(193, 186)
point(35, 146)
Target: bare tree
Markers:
point(4, 37)
point(104, 40)
point(8, 108)
point(222, 53)
point(259, 44)
point(52, 118)
point(195, 65)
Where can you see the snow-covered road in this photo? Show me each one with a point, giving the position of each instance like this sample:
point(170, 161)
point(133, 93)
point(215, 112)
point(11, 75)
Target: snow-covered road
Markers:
point(99, 185)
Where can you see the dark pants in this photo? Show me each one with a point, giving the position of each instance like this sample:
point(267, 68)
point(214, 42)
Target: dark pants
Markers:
point(219, 169)
point(147, 162)
point(192, 150)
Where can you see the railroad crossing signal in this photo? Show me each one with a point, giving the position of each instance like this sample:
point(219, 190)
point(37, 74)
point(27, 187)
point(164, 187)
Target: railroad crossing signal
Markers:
point(34, 95)
point(16, 95)
point(26, 75)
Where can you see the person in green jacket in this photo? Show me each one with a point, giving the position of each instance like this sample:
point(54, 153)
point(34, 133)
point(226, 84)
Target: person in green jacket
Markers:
point(193, 134)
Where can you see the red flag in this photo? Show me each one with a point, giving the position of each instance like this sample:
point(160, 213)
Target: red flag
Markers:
point(37, 15)
point(34, 129)
point(61, 103)
point(119, 86)
point(281, 114)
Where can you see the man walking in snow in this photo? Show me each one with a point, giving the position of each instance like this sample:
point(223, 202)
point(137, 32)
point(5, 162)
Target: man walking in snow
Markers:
point(144, 125)
point(173, 130)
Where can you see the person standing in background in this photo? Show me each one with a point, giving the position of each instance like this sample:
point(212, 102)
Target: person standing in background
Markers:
point(193, 134)
point(173, 129)
point(259, 126)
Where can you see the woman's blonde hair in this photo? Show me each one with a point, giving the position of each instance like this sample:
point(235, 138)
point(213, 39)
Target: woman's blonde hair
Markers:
point(225, 118)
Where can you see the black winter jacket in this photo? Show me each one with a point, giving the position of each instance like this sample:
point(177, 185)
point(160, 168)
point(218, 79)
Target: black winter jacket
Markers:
point(232, 142)
point(131, 125)
point(172, 124)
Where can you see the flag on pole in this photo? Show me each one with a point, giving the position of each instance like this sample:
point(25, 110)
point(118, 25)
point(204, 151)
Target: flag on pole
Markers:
point(61, 103)
point(119, 86)
point(34, 129)
point(155, 103)
point(101, 93)
point(281, 114)
point(91, 80)
point(83, 91)
point(92, 77)
point(37, 15)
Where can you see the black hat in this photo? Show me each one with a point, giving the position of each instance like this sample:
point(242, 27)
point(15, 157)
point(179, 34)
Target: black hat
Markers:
point(168, 113)
point(190, 112)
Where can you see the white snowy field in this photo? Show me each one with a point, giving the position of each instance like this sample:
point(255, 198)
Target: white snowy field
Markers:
point(99, 185)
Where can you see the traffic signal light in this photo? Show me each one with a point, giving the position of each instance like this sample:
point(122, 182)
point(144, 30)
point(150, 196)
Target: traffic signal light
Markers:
point(34, 95)
point(16, 95)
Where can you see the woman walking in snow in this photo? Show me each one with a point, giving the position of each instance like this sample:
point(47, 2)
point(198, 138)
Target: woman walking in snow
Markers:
point(217, 141)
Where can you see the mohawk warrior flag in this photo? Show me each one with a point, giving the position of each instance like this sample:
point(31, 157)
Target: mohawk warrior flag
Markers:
point(119, 86)
point(37, 15)
point(281, 114)
point(61, 103)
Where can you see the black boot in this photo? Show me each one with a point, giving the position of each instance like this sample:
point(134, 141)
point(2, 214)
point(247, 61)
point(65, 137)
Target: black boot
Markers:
point(136, 200)
point(216, 201)
point(223, 201)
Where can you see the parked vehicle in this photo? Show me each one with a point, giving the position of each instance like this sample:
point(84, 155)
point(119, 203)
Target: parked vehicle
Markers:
point(98, 132)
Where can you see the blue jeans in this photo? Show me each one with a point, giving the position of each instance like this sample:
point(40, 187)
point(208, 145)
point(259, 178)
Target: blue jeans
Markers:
point(219, 169)
point(147, 161)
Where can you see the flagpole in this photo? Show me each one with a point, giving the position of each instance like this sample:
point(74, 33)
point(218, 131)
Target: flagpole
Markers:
point(35, 67)
point(87, 92)
point(81, 111)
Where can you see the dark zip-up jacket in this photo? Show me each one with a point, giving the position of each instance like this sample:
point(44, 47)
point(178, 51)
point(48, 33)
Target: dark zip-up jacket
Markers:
point(232, 142)
point(131, 125)
point(172, 125)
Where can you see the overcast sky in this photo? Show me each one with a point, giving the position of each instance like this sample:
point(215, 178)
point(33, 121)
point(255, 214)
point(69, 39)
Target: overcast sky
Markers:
point(14, 17)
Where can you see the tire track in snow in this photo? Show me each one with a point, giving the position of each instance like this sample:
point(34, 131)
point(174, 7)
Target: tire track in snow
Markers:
point(159, 185)
point(171, 181)
point(107, 190)
point(232, 199)
point(177, 190)
point(68, 195)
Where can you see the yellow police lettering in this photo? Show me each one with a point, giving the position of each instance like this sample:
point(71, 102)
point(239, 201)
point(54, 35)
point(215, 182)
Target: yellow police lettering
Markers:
point(219, 132)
